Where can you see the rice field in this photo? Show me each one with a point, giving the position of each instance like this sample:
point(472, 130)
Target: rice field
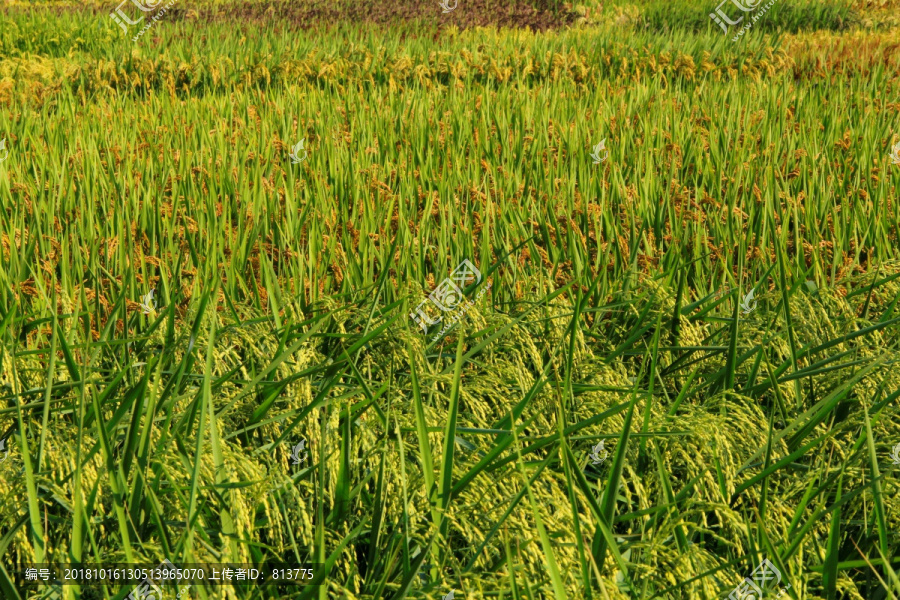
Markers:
point(678, 358)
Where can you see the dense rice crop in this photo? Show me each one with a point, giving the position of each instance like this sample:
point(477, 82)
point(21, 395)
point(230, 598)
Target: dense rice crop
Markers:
point(736, 428)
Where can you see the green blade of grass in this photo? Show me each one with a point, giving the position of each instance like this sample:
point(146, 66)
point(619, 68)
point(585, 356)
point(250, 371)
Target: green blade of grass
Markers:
point(608, 502)
point(445, 490)
point(832, 554)
point(559, 590)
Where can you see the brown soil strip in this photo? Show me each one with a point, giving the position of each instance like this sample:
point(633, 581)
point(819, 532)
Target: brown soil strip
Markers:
point(538, 15)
